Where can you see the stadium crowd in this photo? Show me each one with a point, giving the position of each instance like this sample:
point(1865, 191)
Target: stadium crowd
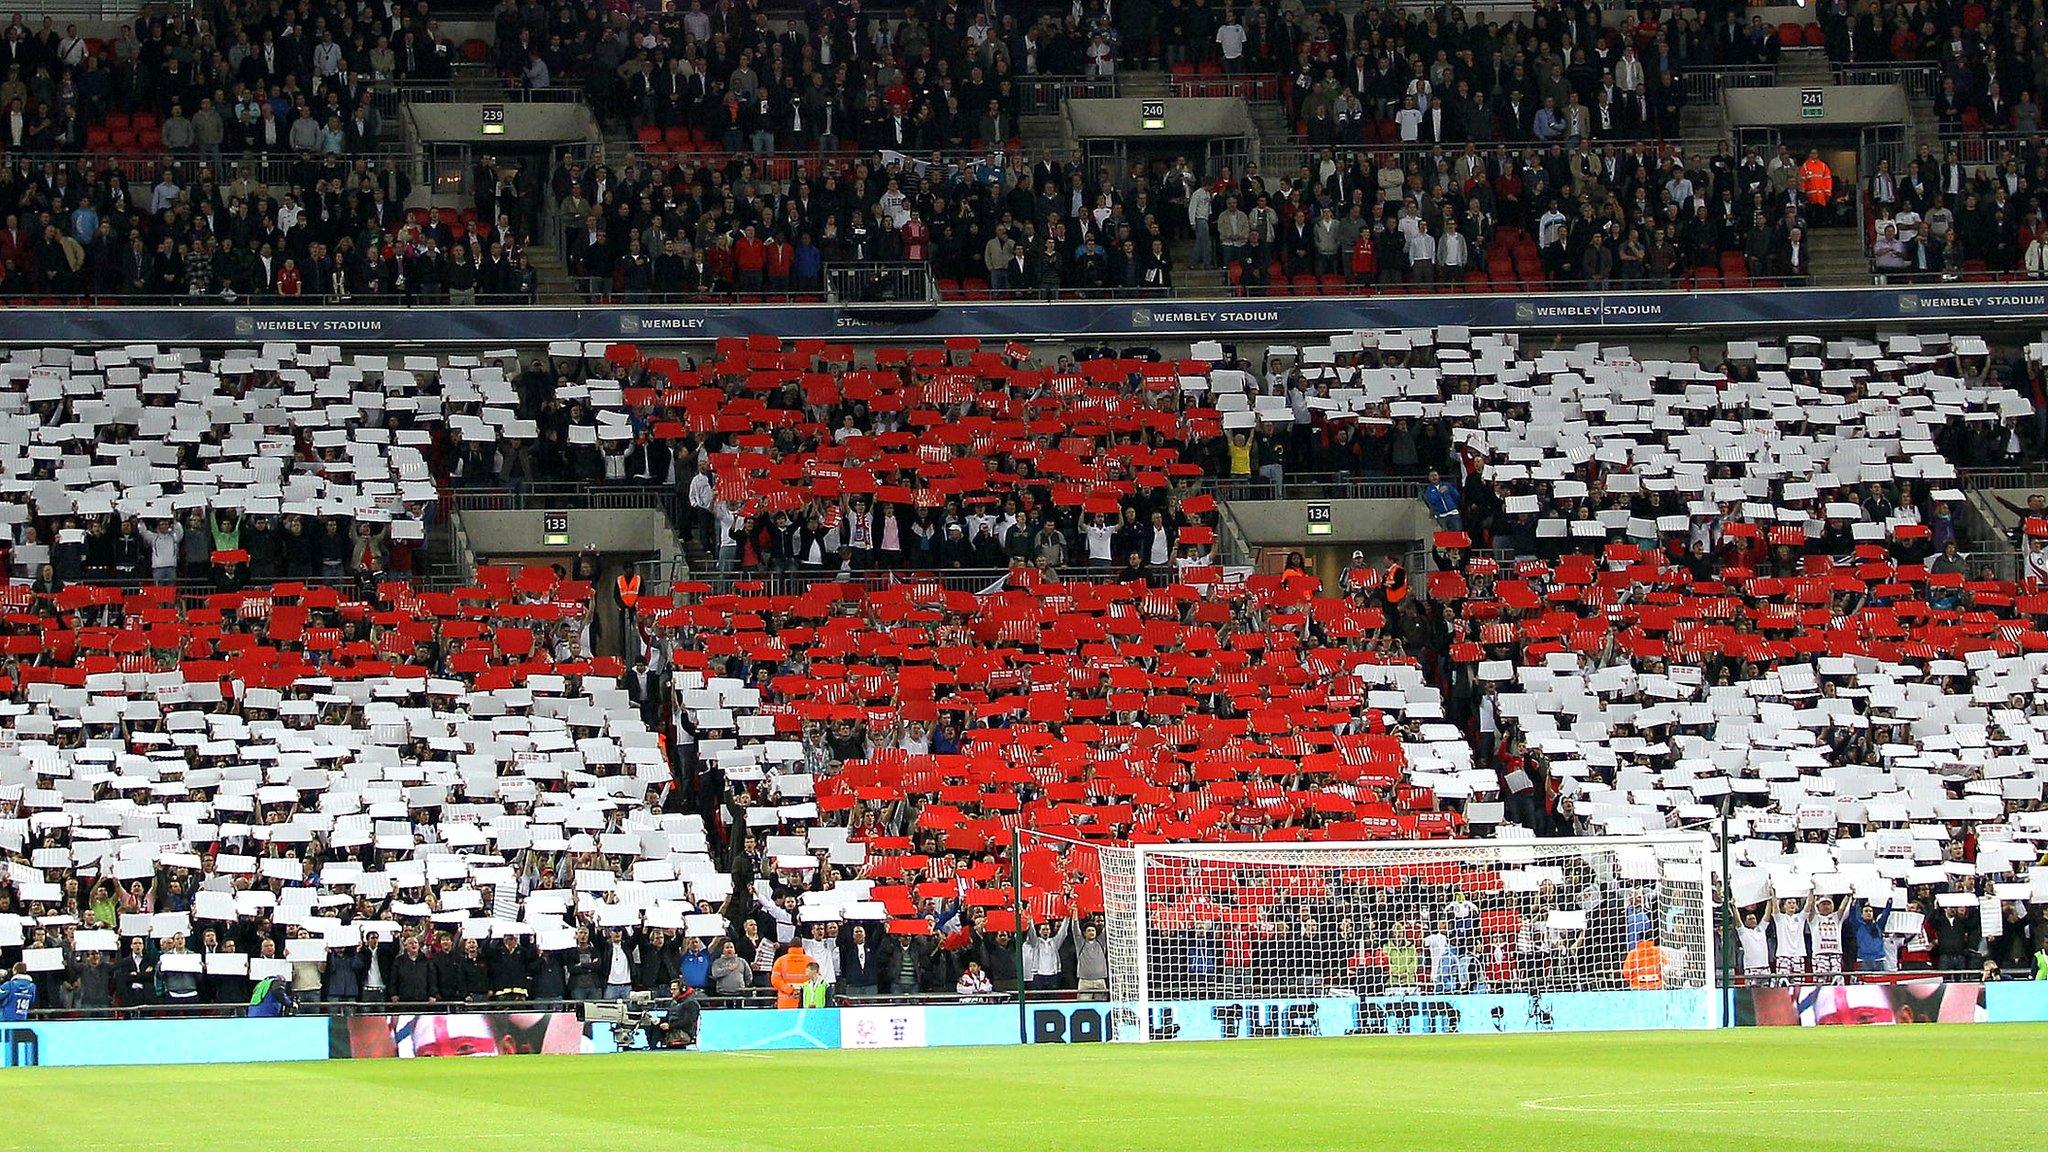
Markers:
point(323, 228)
point(374, 791)
point(685, 226)
point(234, 76)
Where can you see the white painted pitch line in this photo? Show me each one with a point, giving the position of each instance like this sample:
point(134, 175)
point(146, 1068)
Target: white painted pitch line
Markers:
point(1712, 1102)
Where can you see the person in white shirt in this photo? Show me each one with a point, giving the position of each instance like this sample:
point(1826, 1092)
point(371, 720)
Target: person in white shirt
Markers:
point(1409, 120)
point(1200, 205)
point(1443, 960)
point(2037, 564)
point(1230, 37)
point(822, 947)
point(1908, 223)
point(618, 979)
point(1042, 955)
point(1756, 948)
point(1788, 927)
point(973, 982)
point(703, 493)
point(725, 521)
point(1101, 534)
point(1453, 252)
point(1422, 257)
point(1825, 921)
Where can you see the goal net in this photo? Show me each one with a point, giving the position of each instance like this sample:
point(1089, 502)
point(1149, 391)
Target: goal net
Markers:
point(1230, 940)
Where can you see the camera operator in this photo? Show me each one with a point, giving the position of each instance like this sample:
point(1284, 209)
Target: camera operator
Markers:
point(674, 1024)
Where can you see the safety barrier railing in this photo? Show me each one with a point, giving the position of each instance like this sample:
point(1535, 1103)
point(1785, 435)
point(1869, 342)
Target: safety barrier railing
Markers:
point(1044, 95)
point(1920, 80)
point(1705, 85)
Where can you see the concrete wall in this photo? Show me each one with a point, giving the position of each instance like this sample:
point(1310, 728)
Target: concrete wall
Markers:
point(524, 124)
point(1842, 106)
point(1358, 523)
point(636, 530)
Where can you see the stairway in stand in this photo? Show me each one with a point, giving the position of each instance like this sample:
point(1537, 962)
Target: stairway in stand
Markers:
point(1838, 259)
point(552, 276)
point(1804, 68)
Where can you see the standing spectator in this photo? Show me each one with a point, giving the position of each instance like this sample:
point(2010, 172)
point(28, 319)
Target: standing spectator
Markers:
point(860, 962)
point(413, 980)
point(1230, 41)
point(1444, 501)
point(730, 974)
point(17, 995)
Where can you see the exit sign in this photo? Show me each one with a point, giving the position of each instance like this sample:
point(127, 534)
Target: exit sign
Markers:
point(1812, 103)
point(554, 529)
point(1320, 522)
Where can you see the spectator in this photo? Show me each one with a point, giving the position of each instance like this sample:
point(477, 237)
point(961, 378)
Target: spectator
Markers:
point(17, 994)
point(1443, 500)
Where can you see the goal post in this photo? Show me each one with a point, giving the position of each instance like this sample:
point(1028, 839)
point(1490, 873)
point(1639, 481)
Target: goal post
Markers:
point(1254, 939)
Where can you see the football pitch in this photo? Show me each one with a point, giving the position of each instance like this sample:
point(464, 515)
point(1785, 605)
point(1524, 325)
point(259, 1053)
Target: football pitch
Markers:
point(1898, 1088)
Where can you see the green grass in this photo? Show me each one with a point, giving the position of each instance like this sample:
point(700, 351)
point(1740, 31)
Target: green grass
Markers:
point(1895, 1089)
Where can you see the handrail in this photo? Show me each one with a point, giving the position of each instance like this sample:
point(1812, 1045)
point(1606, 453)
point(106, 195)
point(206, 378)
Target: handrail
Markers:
point(1314, 486)
point(2035, 476)
point(442, 92)
point(1921, 79)
point(1279, 160)
point(550, 495)
point(1706, 85)
point(790, 581)
point(1039, 95)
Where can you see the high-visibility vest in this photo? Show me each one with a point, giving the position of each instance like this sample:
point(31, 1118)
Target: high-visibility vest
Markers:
point(1816, 181)
point(629, 590)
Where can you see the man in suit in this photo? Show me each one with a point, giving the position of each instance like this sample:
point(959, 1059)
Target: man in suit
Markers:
point(646, 687)
point(860, 962)
point(1795, 261)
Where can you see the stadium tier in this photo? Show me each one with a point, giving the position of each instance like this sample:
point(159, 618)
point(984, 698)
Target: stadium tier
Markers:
point(252, 151)
point(967, 617)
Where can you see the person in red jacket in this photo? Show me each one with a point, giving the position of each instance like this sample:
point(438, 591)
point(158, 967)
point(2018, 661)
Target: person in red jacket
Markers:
point(749, 260)
point(916, 237)
point(781, 258)
point(719, 263)
point(289, 282)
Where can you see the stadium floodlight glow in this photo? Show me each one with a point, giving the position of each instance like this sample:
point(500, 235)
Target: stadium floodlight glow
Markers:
point(1251, 926)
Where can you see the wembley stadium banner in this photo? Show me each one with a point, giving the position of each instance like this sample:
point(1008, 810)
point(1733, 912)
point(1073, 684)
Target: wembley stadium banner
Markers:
point(1618, 311)
point(90, 1043)
point(428, 1034)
